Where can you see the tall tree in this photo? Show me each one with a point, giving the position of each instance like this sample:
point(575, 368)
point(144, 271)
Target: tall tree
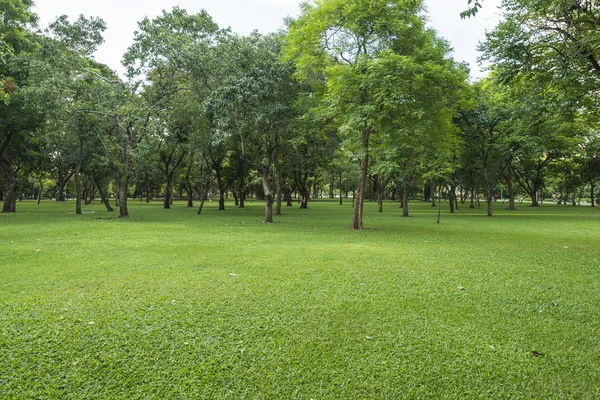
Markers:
point(362, 48)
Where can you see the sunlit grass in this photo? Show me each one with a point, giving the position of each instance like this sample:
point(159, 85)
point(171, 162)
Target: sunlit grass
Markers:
point(169, 304)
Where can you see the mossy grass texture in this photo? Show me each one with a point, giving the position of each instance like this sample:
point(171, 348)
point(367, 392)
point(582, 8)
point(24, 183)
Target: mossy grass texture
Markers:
point(170, 304)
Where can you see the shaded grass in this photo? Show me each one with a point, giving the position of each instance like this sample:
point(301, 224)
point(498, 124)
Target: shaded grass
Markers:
point(169, 304)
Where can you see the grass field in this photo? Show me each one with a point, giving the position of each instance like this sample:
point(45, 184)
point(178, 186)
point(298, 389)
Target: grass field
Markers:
point(172, 305)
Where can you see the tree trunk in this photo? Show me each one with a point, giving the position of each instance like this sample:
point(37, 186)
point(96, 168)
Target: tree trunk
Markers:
point(62, 182)
point(122, 189)
point(357, 219)
point(41, 188)
point(268, 196)
point(90, 191)
point(592, 187)
point(168, 192)
point(426, 193)
point(405, 201)
point(439, 203)
point(277, 190)
point(10, 186)
point(148, 196)
point(472, 198)
point(511, 190)
point(433, 195)
point(202, 194)
point(451, 199)
point(341, 201)
point(331, 184)
point(488, 189)
point(534, 196)
point(189, 188)
point(77, 189)
point(379, 195)
point(103, 196)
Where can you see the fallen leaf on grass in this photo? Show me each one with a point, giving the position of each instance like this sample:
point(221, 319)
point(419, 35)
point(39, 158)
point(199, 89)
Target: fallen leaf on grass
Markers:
point(460, 288)
point(537, 354)
point(555, 304)
point(369, 337)
point(232, 274)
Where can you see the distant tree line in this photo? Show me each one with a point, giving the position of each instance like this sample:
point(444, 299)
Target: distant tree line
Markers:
point(353, 98)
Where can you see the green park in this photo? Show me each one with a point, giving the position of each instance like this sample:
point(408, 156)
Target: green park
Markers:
point(337, 210)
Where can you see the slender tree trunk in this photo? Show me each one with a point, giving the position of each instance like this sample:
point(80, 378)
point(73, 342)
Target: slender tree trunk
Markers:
point(379, 195)
point(148, 195)
point(10, 186)
point(90, 192)
point(405, 201)
point(439, 203)
point(202, 193)
point(472, 198)
point(511, 190)
point(268, 195)
point(189, 188)
point(41, 188)
point(168, 192)
point(592, 190)
point(277, 189)
point(77, 189)
point(103, 195)
point(123, 185)
point(122, 189)
point(433, 195)
point(357, 219)
point(534, 196)
point(488, 189)
point(341, 201)
point(62, 182)
point(241, 186)
point(78, 176)
point(331, 185)
point(451, 199)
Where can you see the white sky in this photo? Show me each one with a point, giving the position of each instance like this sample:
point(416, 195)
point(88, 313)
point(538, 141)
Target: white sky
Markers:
point(243, 16)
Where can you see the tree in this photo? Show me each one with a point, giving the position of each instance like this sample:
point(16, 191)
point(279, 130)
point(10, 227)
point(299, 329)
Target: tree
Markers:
point(556, 38)
point(364, 49)
point(484, 131)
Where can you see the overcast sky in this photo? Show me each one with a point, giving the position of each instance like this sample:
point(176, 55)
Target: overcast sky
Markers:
point(243, 16)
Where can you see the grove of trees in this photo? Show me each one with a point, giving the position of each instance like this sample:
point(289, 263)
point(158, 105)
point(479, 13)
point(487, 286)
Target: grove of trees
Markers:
point(357, 99)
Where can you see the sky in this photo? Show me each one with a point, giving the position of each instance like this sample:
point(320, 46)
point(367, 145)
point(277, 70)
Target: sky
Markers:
point(244, 16)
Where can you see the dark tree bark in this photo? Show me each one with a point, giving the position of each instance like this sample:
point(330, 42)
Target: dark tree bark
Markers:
point(10, 185)
point(268, 196)
point(488, 186)
point(451, 198)
point(331, 184)
point(40, 189)
point(357, 219)
point(511, 189)
point(278, 195)
point(103, 195)
point(62, 181)
point(78, 176)
point(405, 201)
point(341, 201)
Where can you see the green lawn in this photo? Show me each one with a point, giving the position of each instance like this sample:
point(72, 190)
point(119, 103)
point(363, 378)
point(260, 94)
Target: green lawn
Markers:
point(169, 304)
